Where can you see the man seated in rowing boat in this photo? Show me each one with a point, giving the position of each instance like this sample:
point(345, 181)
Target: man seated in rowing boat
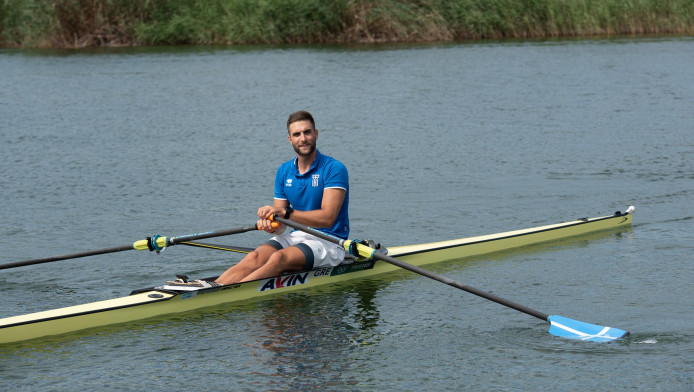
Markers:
point(311, 189)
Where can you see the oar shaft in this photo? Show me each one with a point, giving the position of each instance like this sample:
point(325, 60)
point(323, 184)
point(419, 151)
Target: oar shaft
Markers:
point(458, 285)
point(69, 256)
point(210, 234)
point(418, 270)
point(137, 245)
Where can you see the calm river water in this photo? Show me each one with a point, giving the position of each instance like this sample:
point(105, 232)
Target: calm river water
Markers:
point(103, 148)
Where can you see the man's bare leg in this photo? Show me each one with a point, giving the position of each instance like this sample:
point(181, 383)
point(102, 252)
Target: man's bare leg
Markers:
point(254, 260)
point(285, 260)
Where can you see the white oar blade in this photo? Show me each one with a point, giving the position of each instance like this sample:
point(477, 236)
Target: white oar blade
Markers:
point(574, 329)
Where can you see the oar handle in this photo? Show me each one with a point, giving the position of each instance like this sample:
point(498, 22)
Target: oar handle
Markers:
point(158, 242)
point(210, 234)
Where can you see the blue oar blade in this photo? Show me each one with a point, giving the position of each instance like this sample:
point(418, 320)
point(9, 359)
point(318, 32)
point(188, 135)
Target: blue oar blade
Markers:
point(574, 329)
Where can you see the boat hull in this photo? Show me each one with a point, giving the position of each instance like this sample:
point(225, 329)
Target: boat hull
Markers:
point(153, 302)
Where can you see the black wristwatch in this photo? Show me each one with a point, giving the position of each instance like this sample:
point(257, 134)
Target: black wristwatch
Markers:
point(288, 211)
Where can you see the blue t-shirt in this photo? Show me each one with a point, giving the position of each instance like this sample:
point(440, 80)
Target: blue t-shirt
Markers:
point(305, 191)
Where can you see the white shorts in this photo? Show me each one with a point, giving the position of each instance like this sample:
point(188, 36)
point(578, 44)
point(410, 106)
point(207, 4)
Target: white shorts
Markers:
point(318, 252)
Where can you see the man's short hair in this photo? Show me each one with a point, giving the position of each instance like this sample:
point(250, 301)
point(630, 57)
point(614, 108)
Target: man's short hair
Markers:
point(301, 115)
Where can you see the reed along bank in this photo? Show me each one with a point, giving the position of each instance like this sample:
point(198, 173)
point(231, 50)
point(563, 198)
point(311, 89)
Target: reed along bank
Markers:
point(86, 23)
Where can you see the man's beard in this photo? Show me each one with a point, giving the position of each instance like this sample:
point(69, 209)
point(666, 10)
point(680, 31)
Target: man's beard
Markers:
point(310, 151)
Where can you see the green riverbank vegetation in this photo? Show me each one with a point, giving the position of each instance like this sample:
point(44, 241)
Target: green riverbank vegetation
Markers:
point(87, 23)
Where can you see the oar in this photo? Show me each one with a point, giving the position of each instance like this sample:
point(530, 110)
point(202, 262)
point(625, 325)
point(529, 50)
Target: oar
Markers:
point(559, 326)
point(154, 243)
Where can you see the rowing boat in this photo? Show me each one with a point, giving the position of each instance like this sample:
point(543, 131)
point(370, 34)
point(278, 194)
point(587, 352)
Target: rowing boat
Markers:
point(166, 299)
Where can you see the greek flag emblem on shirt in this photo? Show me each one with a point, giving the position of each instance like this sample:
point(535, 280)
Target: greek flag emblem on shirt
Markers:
point(315, 178)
